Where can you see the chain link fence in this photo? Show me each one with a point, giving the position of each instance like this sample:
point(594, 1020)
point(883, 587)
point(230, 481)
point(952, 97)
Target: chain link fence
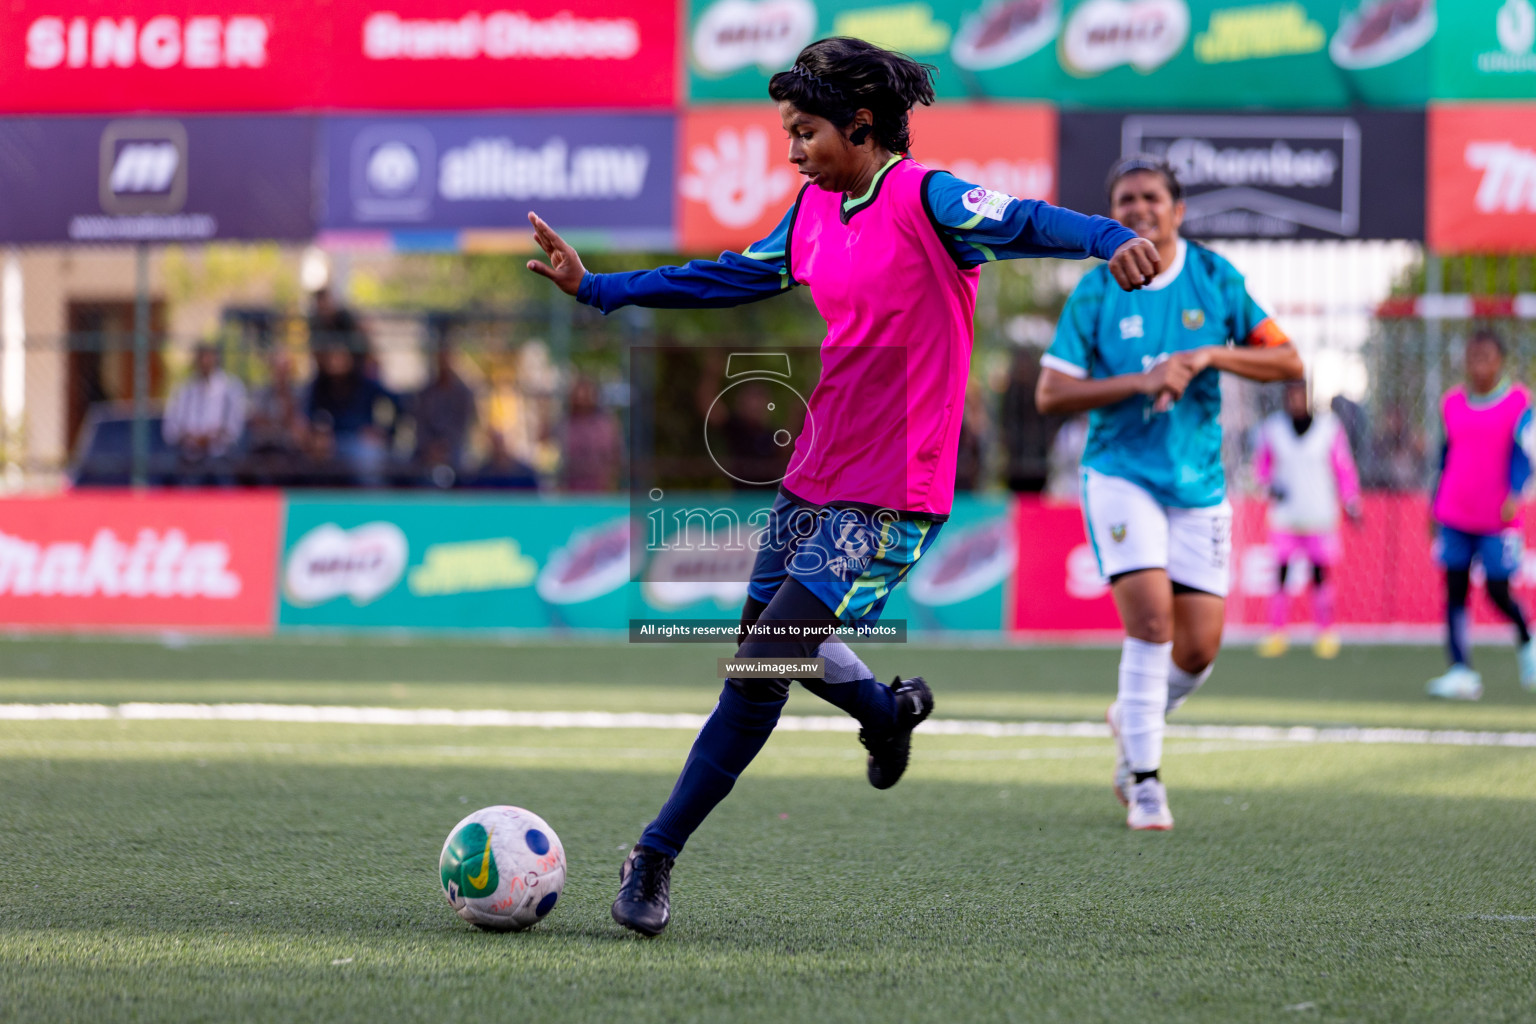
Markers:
point(538, 396)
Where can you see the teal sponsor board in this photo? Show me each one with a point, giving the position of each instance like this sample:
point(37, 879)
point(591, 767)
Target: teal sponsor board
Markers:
point(1486, 50)
point(447, 563)
point(962, 582)
point(453, 563)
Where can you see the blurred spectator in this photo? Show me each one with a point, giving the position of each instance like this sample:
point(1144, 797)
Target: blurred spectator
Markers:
point(343, 409)
point(204, 420)
point(1352, 418)
point(1066, 459)
point(1396, 456)
point(975, 441)
point(331, 323)
point(754, 458)
point(501, 470)
point(1027, 432)
point(591, 449)
point(444, 412)
point(276, 425)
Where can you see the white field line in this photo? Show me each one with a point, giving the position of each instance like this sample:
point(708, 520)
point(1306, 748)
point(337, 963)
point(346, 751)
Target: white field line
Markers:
point(327, 714)
point(542, 753)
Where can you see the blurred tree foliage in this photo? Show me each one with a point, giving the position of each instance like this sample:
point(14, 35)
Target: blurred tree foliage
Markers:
point(1476, 274)
point(469, 282)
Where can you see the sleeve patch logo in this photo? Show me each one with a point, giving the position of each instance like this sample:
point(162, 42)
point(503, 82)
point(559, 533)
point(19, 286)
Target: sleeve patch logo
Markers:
point(986, 202)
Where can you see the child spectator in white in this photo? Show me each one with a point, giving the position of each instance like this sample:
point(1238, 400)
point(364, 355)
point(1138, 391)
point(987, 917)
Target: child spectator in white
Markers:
point(1305, 464)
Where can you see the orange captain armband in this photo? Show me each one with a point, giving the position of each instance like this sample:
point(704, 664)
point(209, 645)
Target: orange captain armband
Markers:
point(1267, 335)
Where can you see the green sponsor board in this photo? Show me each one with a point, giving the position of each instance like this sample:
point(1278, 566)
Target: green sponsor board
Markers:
point(1142, 53)
point(471, 563)
point(1486, 49)
point(454, 563)
point(735, 46)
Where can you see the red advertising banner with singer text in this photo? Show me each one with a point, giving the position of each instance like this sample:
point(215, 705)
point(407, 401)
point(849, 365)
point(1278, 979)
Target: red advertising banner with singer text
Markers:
point(105, 56)
point(182, 560)
point(736, 180)
point(1482, 177)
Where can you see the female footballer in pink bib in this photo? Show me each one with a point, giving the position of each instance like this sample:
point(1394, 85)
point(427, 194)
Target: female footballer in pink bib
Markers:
point(889, 250)
point(1484, 465)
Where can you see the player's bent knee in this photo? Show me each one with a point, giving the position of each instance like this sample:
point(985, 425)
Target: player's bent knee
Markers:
point(1153, 627)
point(760, 691)
point(1195, 660)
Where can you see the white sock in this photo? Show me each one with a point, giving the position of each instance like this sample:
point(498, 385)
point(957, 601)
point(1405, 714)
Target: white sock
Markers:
point(1143, 696)
point(1181, 685)
point(843, 666)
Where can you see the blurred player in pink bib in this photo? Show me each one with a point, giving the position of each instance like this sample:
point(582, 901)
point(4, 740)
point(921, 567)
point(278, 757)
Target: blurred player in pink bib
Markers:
point(1484, 465)
point(1305, 464)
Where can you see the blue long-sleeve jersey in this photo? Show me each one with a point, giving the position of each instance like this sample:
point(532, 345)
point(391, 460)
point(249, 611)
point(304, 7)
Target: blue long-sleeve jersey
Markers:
point(975, 233)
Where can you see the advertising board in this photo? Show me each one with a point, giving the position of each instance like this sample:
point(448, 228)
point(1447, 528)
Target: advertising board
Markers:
point(117, 560)
point(736, 181)
point(1162, 53)
point(1486, 50)
point(107, 56)
point(1482, 177)
point(156, 179)
point(1326, 175)
point(1385, 579)
point(438, 178)
point(475, 564)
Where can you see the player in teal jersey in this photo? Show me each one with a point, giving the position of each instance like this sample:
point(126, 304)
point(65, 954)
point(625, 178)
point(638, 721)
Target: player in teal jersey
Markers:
point(1154, 495)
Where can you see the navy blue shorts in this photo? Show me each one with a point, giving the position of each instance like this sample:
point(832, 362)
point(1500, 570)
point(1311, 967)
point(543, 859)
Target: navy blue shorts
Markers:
point(850, 559)
point(1499, 553)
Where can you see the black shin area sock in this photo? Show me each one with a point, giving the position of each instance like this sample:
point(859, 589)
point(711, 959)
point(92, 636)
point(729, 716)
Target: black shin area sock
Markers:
point(1498, 593)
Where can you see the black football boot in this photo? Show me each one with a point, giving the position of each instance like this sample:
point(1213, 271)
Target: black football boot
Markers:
point(645, 883)
point(890, 748)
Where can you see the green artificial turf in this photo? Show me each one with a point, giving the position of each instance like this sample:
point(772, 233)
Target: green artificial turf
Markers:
point(255, 871)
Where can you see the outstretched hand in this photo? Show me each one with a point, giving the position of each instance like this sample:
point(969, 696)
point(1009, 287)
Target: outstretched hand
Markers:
point(564, 266)
point(1135, 264)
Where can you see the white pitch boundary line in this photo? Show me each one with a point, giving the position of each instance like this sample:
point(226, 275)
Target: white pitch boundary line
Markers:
point(327, 714)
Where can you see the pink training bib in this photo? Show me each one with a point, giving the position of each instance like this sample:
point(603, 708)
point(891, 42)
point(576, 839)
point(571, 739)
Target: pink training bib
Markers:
point(1480, 440)
point(896, 358)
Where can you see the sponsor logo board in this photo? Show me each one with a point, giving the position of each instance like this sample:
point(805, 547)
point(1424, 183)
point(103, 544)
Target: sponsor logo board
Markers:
point(510, 564)
point(1380, 580)
point(1262, 175)
point(110, 55)
point(732, 35)
point(737, 182)
point(186, 179)
point(1291, 54)
point(1105, 34)
point(194, 561)
point(1482, 178)
point(596, 173)
point(441, 563)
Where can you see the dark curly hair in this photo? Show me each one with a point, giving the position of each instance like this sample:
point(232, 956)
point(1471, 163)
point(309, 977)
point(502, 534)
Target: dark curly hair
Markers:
point(1488, 336)
point(834, 78)
point(1143, 162)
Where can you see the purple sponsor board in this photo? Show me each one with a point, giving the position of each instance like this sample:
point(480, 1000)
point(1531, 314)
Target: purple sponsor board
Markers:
point(427, 176)
point(155, 179)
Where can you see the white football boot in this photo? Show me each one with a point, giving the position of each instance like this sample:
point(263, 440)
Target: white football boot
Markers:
point(1149, 807)
point(1527, 660)
point(1121, 783)
point(1458, 683)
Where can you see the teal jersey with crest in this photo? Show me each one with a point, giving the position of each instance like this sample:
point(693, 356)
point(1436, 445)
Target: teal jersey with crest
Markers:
point(1106, 332)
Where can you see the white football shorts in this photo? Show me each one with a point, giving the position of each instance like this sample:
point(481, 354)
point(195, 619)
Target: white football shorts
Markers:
point(1130, 530)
